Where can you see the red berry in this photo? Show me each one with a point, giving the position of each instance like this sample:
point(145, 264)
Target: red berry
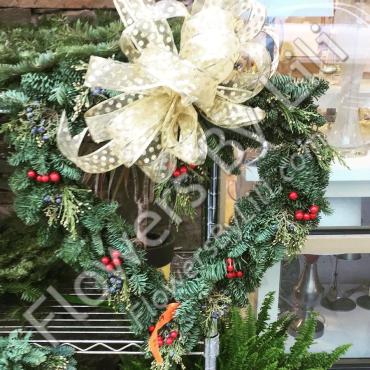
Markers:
point(169, 341)
point(105, 260)
point(45, 178)
point(116, 254)
point(183, 169)
point(160, 341)
point(109, 267)
point(39, 178)
point(193, 166)
point(313, 216)
point(229, 261)
point(239, 274)
point(293, 195)
point(176, 173)
point(117, 262)
point(174, 334)
point(314, 208)
point(230, 268)
point(54, 176)
point(230, 275)
point(31, 174)
point(151, 328)
point(307, 217)
point(299, 215)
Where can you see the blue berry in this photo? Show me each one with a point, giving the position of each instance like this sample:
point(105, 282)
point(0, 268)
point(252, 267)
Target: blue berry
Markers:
point(29, 109)
point(47, 199)
point(58, 200)
point(112, 279)
point(34, 130)
point(41, 129)
point(29, 115)
point(96, 91)
point(112, 290)
point(45, 137)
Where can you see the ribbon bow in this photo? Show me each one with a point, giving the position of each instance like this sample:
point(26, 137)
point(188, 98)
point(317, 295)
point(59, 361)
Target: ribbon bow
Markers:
point(154, 120)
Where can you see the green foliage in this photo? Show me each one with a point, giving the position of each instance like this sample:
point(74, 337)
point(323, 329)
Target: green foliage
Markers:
point(254, 343)
point(23, 49)
point(26, 267)
point(17, 353)
point(13, 101)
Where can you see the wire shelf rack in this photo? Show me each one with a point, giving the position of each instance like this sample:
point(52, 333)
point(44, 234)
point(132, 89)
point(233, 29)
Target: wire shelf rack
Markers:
point(88, 329)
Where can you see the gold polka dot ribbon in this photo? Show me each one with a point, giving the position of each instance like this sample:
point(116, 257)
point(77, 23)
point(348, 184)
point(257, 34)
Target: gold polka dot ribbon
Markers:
point(153, 121)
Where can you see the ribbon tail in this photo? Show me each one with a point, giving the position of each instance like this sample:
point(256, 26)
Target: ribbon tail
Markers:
point(164, 319)
point(162, 168)
point(67, 144)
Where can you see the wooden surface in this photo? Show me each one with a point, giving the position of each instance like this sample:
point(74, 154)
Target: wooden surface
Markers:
point(57, 4)
point(231, 188)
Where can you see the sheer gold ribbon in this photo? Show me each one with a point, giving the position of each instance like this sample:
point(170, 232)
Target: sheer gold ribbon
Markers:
point(154, 120)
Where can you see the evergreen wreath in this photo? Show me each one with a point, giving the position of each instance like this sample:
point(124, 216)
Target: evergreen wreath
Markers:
point(17, 353)
point(271, 222)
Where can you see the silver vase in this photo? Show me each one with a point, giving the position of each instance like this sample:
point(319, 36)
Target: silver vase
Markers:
point(306, 295)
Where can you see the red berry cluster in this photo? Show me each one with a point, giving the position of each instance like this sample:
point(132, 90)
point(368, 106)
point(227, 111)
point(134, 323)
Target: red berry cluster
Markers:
point(111, 263)
point(168, 340)
point(301, 215)
point(311, 215)
point(51, 177)
point(182, 170)
point(231, 273)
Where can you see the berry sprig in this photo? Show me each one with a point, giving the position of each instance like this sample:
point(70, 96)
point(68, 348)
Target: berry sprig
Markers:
point(183, 170)
point(114, 283)
point(114, 262)
point(168, 340)
point(40, 131)
point(48, 199)
point(39, 125)
point(231, 272)
point(53, 176)
point(300, 214)
point(311, 215)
